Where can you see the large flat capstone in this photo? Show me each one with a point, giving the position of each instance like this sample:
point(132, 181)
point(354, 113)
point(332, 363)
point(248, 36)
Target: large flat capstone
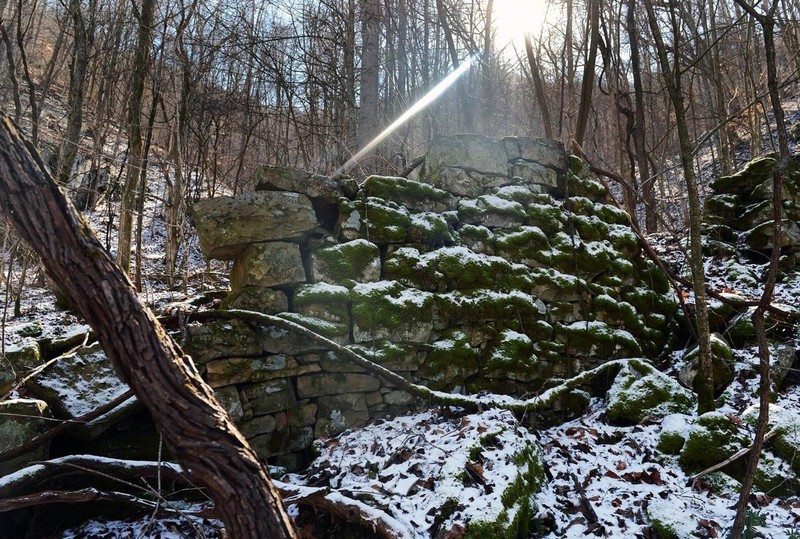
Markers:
point(227, 225)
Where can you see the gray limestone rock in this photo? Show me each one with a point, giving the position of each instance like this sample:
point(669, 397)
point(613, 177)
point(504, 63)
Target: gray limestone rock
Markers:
point(268, 264)
point(227, 225)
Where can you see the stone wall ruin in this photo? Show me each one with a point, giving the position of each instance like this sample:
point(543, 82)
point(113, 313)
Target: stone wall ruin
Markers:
point(496, 265)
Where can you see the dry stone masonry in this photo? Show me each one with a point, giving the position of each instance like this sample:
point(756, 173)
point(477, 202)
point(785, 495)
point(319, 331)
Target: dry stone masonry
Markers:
point(496, 265)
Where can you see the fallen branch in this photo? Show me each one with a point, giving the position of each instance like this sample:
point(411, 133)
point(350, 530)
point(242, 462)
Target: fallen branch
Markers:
point(692, 481)
point(90, 495)
point(16, 491)
point(65, 426)
point(345, 508)
point(469, 402)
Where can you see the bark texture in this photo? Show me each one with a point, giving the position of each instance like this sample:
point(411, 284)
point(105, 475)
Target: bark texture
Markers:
point(194, 426)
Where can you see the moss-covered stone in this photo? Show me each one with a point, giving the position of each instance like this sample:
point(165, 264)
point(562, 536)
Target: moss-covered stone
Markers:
point(712, 439)
point(449, 362)
point(477, 238)
point(638, 393)
point(240, 370)
point(535, 174)
point(513, 357)
point(528, 245)
point(388, 310)
point(744, 181)
point(373, 219)
point(22, 357)
point(786, 424)
point(668, 523)
point(588, 339)
point(393, 356)
point(282, 442)
point(333, 383)
point(21, 420)
point(268, 264)
point(431, 230)
point(354, 261)
point(414, 195)
point(675, 429)
point(548, 217)
point(409, 267)
point(324, 301)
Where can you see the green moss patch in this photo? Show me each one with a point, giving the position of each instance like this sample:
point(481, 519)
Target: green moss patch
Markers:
point(638, 393)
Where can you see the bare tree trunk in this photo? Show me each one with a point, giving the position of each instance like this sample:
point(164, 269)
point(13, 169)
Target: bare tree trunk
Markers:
point(640, 125)
point(144, 39)
point(196, 429)
point(767, 22)
point(704, 382)
point(587, 84)
point(82, 42)
point(538, 87)
point(370, 71)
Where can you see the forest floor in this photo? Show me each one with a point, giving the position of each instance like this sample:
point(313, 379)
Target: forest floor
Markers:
point(605, 478)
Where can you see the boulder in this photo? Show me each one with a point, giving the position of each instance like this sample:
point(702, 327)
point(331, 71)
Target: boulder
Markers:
point(76, 385)
point(712, 439)
point(268, 264)
point(639, 392)
point(347, 263)
point(22, 357)
point(416, 196)
point(21, 420)
point(257, 298)
point(315, 187)
point(466, 165)
point(227, 225)
point(323, 301)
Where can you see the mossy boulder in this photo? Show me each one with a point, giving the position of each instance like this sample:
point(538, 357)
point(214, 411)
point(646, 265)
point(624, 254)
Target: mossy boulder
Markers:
point(675, 429)
point(347, 263)
point(449, 361)
point(21, 420)
point(595, 339)
point(669, 519)
point(492, 211)
point(513, 356)
point(338, 332)
point(477, 238)
point(528, 245)
point(324, 301)
point(640, 391)
point(21, 357)
point(373, 219)
point(396, 357)
point(712, 439)
point(415, 196)
point(389, 310)
point(786, 423)
point(430, 229)
point(744, 181)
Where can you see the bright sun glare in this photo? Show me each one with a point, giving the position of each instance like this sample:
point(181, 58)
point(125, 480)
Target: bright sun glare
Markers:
point(512, 18)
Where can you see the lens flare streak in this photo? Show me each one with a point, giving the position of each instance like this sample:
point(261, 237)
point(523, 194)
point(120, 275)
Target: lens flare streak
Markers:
point(417, 107)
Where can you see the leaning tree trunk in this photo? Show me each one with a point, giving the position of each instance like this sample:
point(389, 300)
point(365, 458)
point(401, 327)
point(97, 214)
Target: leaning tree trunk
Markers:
point(195, 427)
